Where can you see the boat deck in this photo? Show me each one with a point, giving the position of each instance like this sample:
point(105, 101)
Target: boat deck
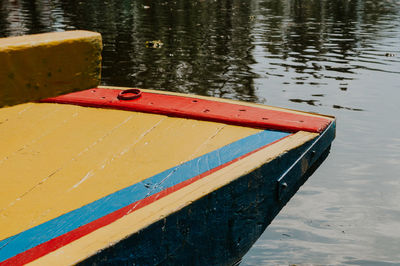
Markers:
point(80, 179)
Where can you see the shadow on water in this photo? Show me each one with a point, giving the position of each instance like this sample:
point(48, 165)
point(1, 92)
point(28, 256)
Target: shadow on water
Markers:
point(338, 56)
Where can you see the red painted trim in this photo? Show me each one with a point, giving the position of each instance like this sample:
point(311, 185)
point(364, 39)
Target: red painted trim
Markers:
point(63, 240)
point(194, 108)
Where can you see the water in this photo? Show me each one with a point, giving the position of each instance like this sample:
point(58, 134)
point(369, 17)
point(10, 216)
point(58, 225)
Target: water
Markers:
point(338, 57)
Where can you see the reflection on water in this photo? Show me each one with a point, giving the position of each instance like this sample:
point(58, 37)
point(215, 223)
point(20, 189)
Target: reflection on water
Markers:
point(339, 57)
point(220, 47)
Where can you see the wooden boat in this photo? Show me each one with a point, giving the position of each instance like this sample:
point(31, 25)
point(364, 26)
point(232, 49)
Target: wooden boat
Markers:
point(107, 175)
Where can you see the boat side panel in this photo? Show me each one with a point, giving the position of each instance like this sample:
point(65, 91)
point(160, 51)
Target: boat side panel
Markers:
point(222, 226)
point(125, 226)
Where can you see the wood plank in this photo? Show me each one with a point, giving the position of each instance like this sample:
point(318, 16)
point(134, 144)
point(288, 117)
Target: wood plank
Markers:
point(201, 109)
point(224, 100)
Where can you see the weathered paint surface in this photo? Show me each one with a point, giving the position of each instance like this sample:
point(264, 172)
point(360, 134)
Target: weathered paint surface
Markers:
point(232, 218)
point(73, 167)
point(66, 228)
point(38, 66)
point(212, 221)
point(202, 109)
point(76, 155)
point(116, 178)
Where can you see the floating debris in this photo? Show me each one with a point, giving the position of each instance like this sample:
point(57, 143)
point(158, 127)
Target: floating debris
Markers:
point(273, 74)
point(317, 66)
point(310, 102)
point(390, 54)
point(346, 108)
point(146, 7)
point(154, 44)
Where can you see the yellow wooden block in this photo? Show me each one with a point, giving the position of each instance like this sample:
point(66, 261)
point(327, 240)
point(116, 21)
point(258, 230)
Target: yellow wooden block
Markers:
point(38, 66)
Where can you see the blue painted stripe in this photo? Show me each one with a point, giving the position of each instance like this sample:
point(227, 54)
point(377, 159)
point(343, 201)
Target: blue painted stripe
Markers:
point(67, 222)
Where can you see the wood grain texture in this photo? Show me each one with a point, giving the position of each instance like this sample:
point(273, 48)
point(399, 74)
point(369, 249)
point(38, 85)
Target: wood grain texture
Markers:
point(69, 154)
point(76, 224)
point(178, 221)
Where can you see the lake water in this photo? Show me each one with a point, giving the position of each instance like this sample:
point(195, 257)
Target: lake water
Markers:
point(338, 57)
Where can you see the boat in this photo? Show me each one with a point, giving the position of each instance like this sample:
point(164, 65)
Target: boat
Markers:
point(112, 175)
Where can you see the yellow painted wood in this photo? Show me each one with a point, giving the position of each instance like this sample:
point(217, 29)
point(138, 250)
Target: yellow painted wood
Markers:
point(228, 101)
point(56, 158)
point(39, 66)
point(129, 224)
